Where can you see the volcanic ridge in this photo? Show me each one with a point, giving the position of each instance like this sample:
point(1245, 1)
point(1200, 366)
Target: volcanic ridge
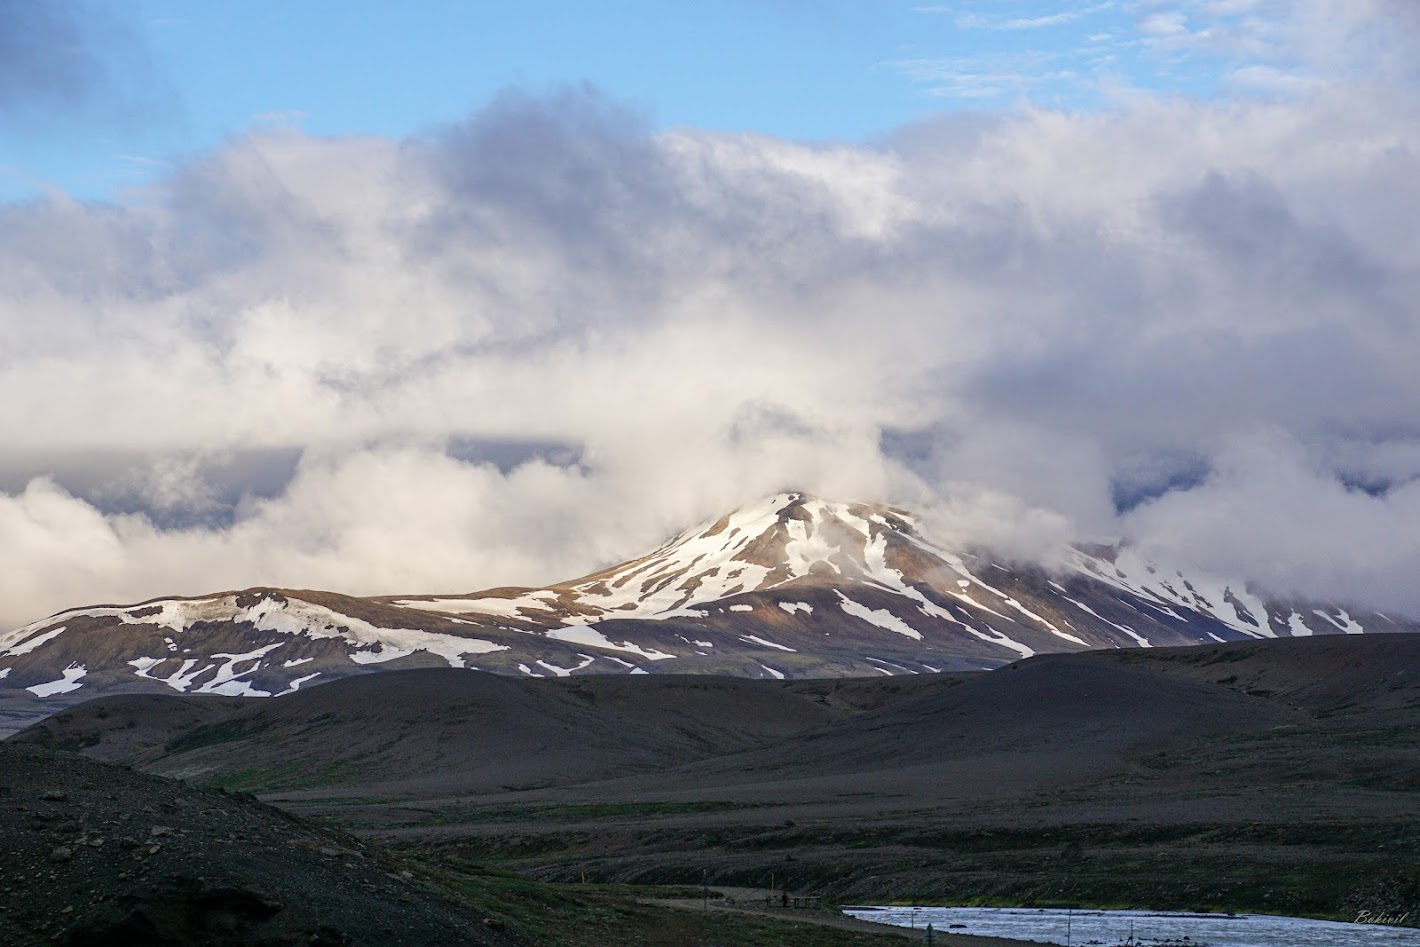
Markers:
point(790, 587)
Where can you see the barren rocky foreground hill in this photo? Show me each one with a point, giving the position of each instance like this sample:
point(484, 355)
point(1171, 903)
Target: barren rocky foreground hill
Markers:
point(100, 855)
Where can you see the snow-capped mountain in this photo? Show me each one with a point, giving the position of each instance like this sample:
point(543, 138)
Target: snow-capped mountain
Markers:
point(790, 586)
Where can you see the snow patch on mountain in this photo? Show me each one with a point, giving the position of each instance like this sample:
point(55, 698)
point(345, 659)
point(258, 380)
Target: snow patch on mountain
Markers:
point(296, 683)
point(587, 659)
point(1142, 642)
point(1223, 600)
point(69, 682)
point(30, 644)
point(592, 638)
point(1343, 621)
point(755, 639)
point(379, 654)
point(295, 617)
point(541, 600)
point(880, 617)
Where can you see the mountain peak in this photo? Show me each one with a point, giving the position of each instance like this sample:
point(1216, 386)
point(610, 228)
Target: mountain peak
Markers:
point(765, 544)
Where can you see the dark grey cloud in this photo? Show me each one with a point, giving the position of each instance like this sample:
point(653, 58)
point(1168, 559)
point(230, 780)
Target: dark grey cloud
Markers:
point(173, 490)
point(1250, 233)
point(508, 454)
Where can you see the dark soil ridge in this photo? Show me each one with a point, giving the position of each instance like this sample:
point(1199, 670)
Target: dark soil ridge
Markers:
point(100, 855)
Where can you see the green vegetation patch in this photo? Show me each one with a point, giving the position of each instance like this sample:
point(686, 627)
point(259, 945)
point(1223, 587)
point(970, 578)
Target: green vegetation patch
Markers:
point(580, 812)
point(596, 915)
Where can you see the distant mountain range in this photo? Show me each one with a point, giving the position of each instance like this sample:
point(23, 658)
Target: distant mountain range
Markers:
point(791, 586)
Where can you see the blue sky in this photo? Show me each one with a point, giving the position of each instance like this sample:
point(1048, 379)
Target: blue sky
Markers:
point(171, 78)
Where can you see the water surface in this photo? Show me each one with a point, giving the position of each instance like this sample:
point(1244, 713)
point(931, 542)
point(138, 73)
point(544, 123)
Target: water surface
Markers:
point(1150, 928)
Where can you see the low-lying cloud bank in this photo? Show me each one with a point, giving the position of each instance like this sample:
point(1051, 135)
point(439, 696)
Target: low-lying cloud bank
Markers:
point(543, 338)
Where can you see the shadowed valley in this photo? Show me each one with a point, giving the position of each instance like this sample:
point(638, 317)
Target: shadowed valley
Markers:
point(1272, 775)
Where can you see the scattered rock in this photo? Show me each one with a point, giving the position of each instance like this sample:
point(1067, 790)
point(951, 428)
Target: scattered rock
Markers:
point(62, 854)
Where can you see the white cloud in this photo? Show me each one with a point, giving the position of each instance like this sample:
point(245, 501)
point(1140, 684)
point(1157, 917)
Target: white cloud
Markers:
point(545, 338)
point(1170, 24)
point(985, 77)
point(1272, 81)
point(1241, 48)
point(971, 21)
point(1274, 513)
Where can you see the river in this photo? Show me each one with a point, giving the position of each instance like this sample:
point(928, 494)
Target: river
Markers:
point(1149, 928)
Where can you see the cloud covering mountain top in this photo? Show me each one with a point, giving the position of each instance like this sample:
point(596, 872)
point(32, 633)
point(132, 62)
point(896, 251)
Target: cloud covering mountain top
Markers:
point(546, 337)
